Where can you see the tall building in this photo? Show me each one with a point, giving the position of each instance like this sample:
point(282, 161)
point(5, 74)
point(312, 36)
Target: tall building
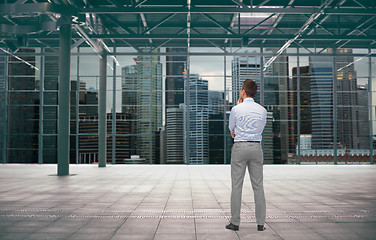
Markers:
point(267, 140)
point(216, 101)
point(321, 73)
point(198, 120)
point(175, 135)
point(362, 118)
point(276, 87)
point(243, 68)
point(347, 92)
point(129, 89)
point(175, 66)
point(305, 105)
point(88, 140)
point(142, 97)
point(305, 99)
point(321, 69)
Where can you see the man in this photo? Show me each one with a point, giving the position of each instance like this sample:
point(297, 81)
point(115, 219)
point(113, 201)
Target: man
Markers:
point(247, 122)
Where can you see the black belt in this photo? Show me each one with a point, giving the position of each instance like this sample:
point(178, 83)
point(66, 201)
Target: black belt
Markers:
point(250, 141)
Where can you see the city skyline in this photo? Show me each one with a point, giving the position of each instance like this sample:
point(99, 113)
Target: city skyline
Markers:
point(142, 94)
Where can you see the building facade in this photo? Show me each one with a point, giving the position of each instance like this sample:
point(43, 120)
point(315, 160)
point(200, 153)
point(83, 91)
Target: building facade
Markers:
point(198, 125)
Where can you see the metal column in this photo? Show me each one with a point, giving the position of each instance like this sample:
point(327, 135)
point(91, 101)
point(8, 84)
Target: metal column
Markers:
point(261, 87)
point(77, 105)
point(4, 156)
point(102, 124)
point(370, 107)
point(187, 110)
point(41, 104)
point(298, 103)
point(64, 99)
point(334, 107)
point(151, 115)
point(224, 112)
point(114, 111)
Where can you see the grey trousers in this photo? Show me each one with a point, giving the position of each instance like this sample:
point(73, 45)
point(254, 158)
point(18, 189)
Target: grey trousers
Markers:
point(243, 155)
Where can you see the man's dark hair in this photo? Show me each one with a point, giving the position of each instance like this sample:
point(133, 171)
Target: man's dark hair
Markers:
point(250, 88)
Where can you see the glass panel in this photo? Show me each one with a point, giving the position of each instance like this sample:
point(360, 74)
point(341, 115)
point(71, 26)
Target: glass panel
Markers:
point(50, 98)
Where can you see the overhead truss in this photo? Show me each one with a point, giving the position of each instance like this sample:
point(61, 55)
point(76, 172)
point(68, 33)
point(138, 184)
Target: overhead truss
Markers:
point(148, 24)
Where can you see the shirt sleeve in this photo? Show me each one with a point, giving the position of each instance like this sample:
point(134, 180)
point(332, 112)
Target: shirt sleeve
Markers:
point(264, 116)
point(231, 123)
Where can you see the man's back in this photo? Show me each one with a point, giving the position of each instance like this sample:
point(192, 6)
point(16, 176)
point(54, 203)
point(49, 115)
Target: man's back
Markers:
point(248, 120)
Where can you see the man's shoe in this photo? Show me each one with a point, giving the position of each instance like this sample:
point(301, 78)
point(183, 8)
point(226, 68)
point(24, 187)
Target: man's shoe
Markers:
point(232, 227)
point(260, 228)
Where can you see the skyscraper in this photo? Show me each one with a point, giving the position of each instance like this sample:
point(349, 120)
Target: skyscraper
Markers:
point(267, 139)
point(175, 66)
point(198, 120)
point(129, 89)
point(321, 72)
point(142, 97)
point(322, 101)
point(216, 101)
point(305, 105)
point(174, 135)
point(347, 92)
point(149, 101)
point(305, 99)
point(243, 68)
point(362, 117)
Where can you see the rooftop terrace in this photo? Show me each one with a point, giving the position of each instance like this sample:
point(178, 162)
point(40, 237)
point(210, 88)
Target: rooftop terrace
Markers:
point(184, 202)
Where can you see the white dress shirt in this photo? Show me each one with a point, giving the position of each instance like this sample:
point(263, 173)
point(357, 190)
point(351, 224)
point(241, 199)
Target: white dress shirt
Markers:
point(248, 120)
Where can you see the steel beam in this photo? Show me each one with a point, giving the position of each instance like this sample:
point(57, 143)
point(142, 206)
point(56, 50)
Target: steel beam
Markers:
point(149, 29)
point(218, 23)
point(184, 9)
point(272, 37)
point(119, 24)
point(64, 100)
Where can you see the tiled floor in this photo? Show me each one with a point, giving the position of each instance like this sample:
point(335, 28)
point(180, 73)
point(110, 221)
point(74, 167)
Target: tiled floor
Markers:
point(184, 202)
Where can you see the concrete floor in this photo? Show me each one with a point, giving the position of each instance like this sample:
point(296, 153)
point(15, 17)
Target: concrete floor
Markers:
point(184, 202)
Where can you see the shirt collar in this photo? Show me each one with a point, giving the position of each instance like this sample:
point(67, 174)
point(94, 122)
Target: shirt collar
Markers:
point(248, 100)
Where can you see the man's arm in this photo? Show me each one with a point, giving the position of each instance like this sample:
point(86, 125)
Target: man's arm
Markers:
point(231, 123)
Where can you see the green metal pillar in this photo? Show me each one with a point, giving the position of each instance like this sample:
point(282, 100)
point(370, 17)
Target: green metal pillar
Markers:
point(335, 110)
point(102, 124)
point(370, 108)
point(64, 99)
point(298, 103)
point(41, 106)
point(261, 87)
point(114, 111)
point(4, 136)
point(225, 129)
point(77, 106)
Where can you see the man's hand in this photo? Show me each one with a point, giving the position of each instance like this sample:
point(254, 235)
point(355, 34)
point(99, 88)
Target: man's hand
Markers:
point(233, 134)
point(240, 101)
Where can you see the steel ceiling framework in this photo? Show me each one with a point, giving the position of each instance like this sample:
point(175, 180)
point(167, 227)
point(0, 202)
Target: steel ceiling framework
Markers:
point(162, 23)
